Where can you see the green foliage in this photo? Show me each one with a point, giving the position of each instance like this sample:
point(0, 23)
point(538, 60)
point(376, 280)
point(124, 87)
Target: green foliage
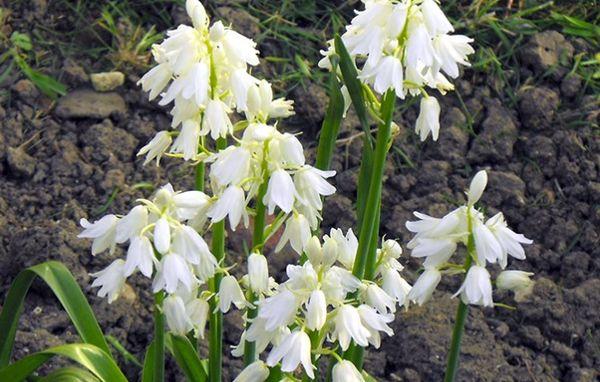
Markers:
point(187, 358)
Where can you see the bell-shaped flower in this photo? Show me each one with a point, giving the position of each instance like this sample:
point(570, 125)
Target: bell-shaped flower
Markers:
point(428, 119)
point(188, 140)
point(348, 326)
point(279, 310)
point(316, 310)
point(197, 13)
point(131, 224)
point(156, 147)
point(477, 287)
point(395, 286)
point(110, 280)
point(173, 271)
point(311, 185)
point(517, 281)
point(292, 351)
point(280, 192)
point(434, 18)
point(426, 283)
point(378, 299)
point(231, 166)
point(345, 371)
point(476, 188)
point(510, 241)
point(231, 203)
point(297, 233)
point(176, 315)
point(103, 232)
point(347, 245)
point(162, 235)
point(375, 323)
point(387, 74)
point(240, 83)
point(216, 120)
point(257, 371)
point(452, 50)
point(156, 79)
point(230, 292)
point(140, 255)
point(486, 244)
point(258, 273)
point(286, 150)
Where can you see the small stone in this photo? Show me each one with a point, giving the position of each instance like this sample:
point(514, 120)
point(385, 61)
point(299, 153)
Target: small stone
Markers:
point(74, 73)
point(20, 163)
point(545, 50)
point(107, 81)
point(537, 107)
point(26, 90)
point(90, 104)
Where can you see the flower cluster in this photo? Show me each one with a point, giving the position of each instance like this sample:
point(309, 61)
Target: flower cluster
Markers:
point(315, 299)
point(204, 69)
point(405, 46)
point(487, 241)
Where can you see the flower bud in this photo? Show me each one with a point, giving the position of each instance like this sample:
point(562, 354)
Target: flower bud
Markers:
point(517, 281)
point(477, 187)
point(255, 372)
point(425, 285)
point(345, 371)
point(392, 248)
point(258, 273)
point(176, 316)
point(314, 251)
point(316, 310)
point(330, 252)
point(230, 292)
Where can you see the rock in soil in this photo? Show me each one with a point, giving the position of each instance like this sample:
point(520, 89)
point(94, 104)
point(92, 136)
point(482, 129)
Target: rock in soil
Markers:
point(20, 163)
point(90, 104)
point(537, 107)
point(107, 81)
point(545, 50)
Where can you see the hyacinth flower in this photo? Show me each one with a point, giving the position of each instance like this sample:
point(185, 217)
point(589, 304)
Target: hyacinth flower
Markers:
point(487, 242)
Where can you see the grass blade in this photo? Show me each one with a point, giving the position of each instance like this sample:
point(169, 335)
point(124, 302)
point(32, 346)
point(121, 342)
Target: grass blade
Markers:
point(89, 356)
point(66, 289)
point(149, 362)
point(69, 374)
point(186, 357)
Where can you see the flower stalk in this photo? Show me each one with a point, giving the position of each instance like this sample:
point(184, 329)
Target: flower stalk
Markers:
point(159, 338)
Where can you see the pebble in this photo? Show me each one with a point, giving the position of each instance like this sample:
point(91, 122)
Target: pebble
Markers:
point(90, 104)
point(107, 81)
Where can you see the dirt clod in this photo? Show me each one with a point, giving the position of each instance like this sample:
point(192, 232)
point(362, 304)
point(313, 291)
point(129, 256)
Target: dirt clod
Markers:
point(90, 104)
point(20, 163)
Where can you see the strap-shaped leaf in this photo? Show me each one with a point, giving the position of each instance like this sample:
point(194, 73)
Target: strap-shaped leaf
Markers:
point(149, 364)
point(66, 289)
point(89, 356)
point(186, 357)
point(69, 374)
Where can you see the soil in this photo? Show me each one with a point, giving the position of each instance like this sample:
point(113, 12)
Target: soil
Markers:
point(75, 158)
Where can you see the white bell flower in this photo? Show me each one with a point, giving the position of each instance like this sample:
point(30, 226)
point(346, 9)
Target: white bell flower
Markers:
point(103, 232)
point(188, 140)
point(345, 371)
point(428, 119)
point(347, 245)
point(231, 203)
point(162, 235)
point(477, 287)
point(231, 165)
point(197, 13)
point(140, 255)
point(517, 281)
point(387, 74)
point(257, 371)
point(258, 334)
point(130, 225)
point(378, 299)
point(176, 316)
point(216, 120)
point(241, 82)
point(279, 310)
point(434, 18)
point(316, 310)
point(426, 283)
point(375, 323)
point(510, 241)
point(189, 244)
point(156, 147)
point(197, 310)
point(476, 188)
point(258, 273)
point(297, 233)
point(111, 280)
point(311, 185)
point(173, 271)
point(286, 150)
point(230, 292)
point(280, 192)
point(292, 351)
point(452, 50)
point(395, 286)
point(348, 326)
point(155, 80)
point(486, 244)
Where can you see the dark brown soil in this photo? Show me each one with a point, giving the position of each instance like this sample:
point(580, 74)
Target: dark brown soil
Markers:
point(76, 158)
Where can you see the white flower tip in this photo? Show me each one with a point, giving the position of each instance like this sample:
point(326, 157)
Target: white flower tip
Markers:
point(477, 187)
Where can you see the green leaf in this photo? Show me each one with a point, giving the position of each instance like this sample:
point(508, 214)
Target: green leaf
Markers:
point(21, 40)
point(186, 357)
point(331, 123)
point(275, 374)
point(148, 371)
point(66, 289)
point(47, 85)
point(91, 357)
point(350, 77)
point(368, 377)
point(69, 374)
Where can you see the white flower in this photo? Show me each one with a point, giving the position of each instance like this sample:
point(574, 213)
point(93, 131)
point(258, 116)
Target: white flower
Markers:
point(110, 280)
point(437, 251)
point(188, 140)
point(287, 150)
point(452, 50)
point(510, 241)
point(156, 147)
point(316, 310)
point(278, 310)
point(394, 285)
point(231, 203)
point(517, 281)
point(477, 187)
point(292, 351)
point(377, 298)
point(230, 292)
point(419, 48)
point(345, 371)
point(257, 371)
point(162, 235)
point(486, 245)
point(231, 166)
point(176, 315)
point(193, 85)
point(297, 232)
point(314, 251)
point(197, 13)
point(434, 18)
point(346, 246)
point(348, 326)
point(103, 232)
point(156, 79)
point(280, 192)
point(239, 48)
point(189, 244)
point(425, 285)
point(197, 309)
point(241, 82)
point(387, 74)
point(428, 119)
point(375, 323)
point(477, 287)
point(140, 255)
point(258, 273)
point(392, 249)
point(216, 121)
point(258, 334)
point(173, 271)
point(131, 224)
point(311, 185)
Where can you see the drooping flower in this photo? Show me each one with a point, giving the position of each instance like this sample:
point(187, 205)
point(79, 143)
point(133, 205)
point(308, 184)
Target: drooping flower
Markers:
point(293, 351)
point(110, 280)
point(477, 287)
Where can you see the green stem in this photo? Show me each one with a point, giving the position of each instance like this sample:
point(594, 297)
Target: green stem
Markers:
point(159, 338)
point(461, 312)
point(215, 350)
point(257, 242)
point(331, 123)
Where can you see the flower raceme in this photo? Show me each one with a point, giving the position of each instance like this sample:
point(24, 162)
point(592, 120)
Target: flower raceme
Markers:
point(437, 239)
point(405, 46)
